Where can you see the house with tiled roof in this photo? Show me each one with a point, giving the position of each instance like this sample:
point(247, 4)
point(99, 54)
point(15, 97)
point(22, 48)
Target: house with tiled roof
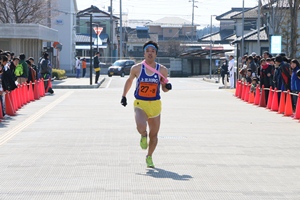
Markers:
point(106, 43)
point(163, 31)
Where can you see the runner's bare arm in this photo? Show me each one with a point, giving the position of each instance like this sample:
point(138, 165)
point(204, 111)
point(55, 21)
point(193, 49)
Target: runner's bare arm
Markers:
point(133, 74)
point(164, 72)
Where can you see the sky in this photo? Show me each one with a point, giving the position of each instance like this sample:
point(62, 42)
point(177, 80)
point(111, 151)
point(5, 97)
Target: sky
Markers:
point(157, 9)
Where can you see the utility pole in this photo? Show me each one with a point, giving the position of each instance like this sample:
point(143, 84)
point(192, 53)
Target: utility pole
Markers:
point(258, 27)
point(243, 21)
point(111, 32)
point(121, 31)
point(193, 20)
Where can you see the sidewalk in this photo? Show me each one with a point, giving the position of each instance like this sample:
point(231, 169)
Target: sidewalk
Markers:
point(77, 83)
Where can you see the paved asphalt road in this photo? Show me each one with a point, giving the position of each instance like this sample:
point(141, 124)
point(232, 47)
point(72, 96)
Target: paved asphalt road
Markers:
point(82, 144)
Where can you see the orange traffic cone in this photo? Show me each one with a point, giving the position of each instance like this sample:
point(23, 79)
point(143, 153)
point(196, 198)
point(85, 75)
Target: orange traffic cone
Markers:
point(14, 96)
point(246, 98)
point(244, 91)
point(297, 113)
point(257, 96)
point(25, 92)
point(262, 101)
point(42, 88)
point(251, 97)
point(49, 85)
point(36, 90)
point(274, 106)
point(1, 114)
point(241, 90)
point(288, 110)
point(31, 94)
point(270, 98)
point(237, 88)
point(281, 103)
point(9, 108)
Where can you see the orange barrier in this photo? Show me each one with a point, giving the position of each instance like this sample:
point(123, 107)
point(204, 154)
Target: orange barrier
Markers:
point(1, 114)
point(9, 105)
point(270, 98)
point(244, 86)
point(36, 90)
point(246, 98)
point(237, 88)
point(42, 88)
point(14, 95)
point(297, 113)
point(281, 103)
point(288, 110)
point(30, 92)
point(257, 96)
point(262, 101)
point(251, 97)
point(241, 90)
point(274, 106)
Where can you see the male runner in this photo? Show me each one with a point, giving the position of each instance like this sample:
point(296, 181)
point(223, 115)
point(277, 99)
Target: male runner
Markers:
point(147, 106)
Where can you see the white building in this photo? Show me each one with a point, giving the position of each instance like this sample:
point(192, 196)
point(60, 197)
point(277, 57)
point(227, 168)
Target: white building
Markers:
point(64, 21)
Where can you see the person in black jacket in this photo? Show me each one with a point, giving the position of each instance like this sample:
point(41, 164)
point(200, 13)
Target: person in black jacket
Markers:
point(8, 82)
point(224, 71)
point(96, 66)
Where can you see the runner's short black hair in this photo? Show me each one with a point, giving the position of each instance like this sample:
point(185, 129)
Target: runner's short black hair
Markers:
point(151, 43)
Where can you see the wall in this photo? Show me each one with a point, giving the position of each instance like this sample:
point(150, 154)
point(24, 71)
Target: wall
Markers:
point(64, 23)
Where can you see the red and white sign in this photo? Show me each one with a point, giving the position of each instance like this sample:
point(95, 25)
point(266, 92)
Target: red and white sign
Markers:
point(98, 30)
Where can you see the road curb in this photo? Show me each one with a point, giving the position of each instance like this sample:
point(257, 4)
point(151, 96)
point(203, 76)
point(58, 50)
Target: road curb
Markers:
point(58, 86)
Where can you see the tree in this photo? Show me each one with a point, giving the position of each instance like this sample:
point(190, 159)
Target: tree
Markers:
point(286, 36)
point(25, 11)
point(294, 8)
point(171, 48)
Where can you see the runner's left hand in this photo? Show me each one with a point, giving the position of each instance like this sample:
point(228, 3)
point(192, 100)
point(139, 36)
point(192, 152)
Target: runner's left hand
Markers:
point(169, 86)
point(124, 101)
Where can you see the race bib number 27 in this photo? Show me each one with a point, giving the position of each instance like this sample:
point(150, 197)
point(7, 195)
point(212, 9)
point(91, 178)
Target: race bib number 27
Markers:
point(147, 89)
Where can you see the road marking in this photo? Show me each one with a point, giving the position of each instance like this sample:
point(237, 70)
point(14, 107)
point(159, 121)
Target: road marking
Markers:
point(108, 84)
point(11, 133)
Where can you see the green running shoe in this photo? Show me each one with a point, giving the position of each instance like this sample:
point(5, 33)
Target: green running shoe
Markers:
point(143, 142)
point(149, 162)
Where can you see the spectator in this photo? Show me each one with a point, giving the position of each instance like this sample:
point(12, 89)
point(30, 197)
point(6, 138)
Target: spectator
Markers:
point(231, 71)
point(252, 65)
point(1, 88)
point(285, 75)
point(295, 81)
point(249, 76)
point(96, 66)
point(36, 69)
point(12, 67)
point(46, 71)
point(254, 83)
point(78, 66)
point(83, 65)
point(8, 82)
point(224, 71)
point(31, 72)
point(22, 70)
point(266, 77)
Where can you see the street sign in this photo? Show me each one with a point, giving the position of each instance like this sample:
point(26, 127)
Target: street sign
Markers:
point(276, 44)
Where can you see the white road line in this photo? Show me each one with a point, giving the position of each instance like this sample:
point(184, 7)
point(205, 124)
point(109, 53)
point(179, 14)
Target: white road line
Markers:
point(108, 84)
point(11, 133)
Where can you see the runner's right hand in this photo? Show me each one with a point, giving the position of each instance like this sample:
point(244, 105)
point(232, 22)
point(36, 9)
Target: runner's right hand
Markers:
point(124, 101)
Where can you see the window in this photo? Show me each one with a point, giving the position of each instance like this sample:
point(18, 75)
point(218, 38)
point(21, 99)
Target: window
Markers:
point(170, 30)
point(249, 25)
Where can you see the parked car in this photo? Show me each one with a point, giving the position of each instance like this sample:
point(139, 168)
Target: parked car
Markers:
point(120, 68)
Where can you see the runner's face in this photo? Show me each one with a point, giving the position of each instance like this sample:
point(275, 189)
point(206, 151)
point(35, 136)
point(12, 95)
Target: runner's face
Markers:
point(150, 53)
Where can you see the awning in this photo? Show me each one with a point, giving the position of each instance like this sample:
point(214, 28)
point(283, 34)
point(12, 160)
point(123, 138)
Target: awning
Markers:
point(87, 47)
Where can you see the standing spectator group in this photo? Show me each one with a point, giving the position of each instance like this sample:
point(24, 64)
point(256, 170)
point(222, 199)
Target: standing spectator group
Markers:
point(19, 70)
point(278, 72)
